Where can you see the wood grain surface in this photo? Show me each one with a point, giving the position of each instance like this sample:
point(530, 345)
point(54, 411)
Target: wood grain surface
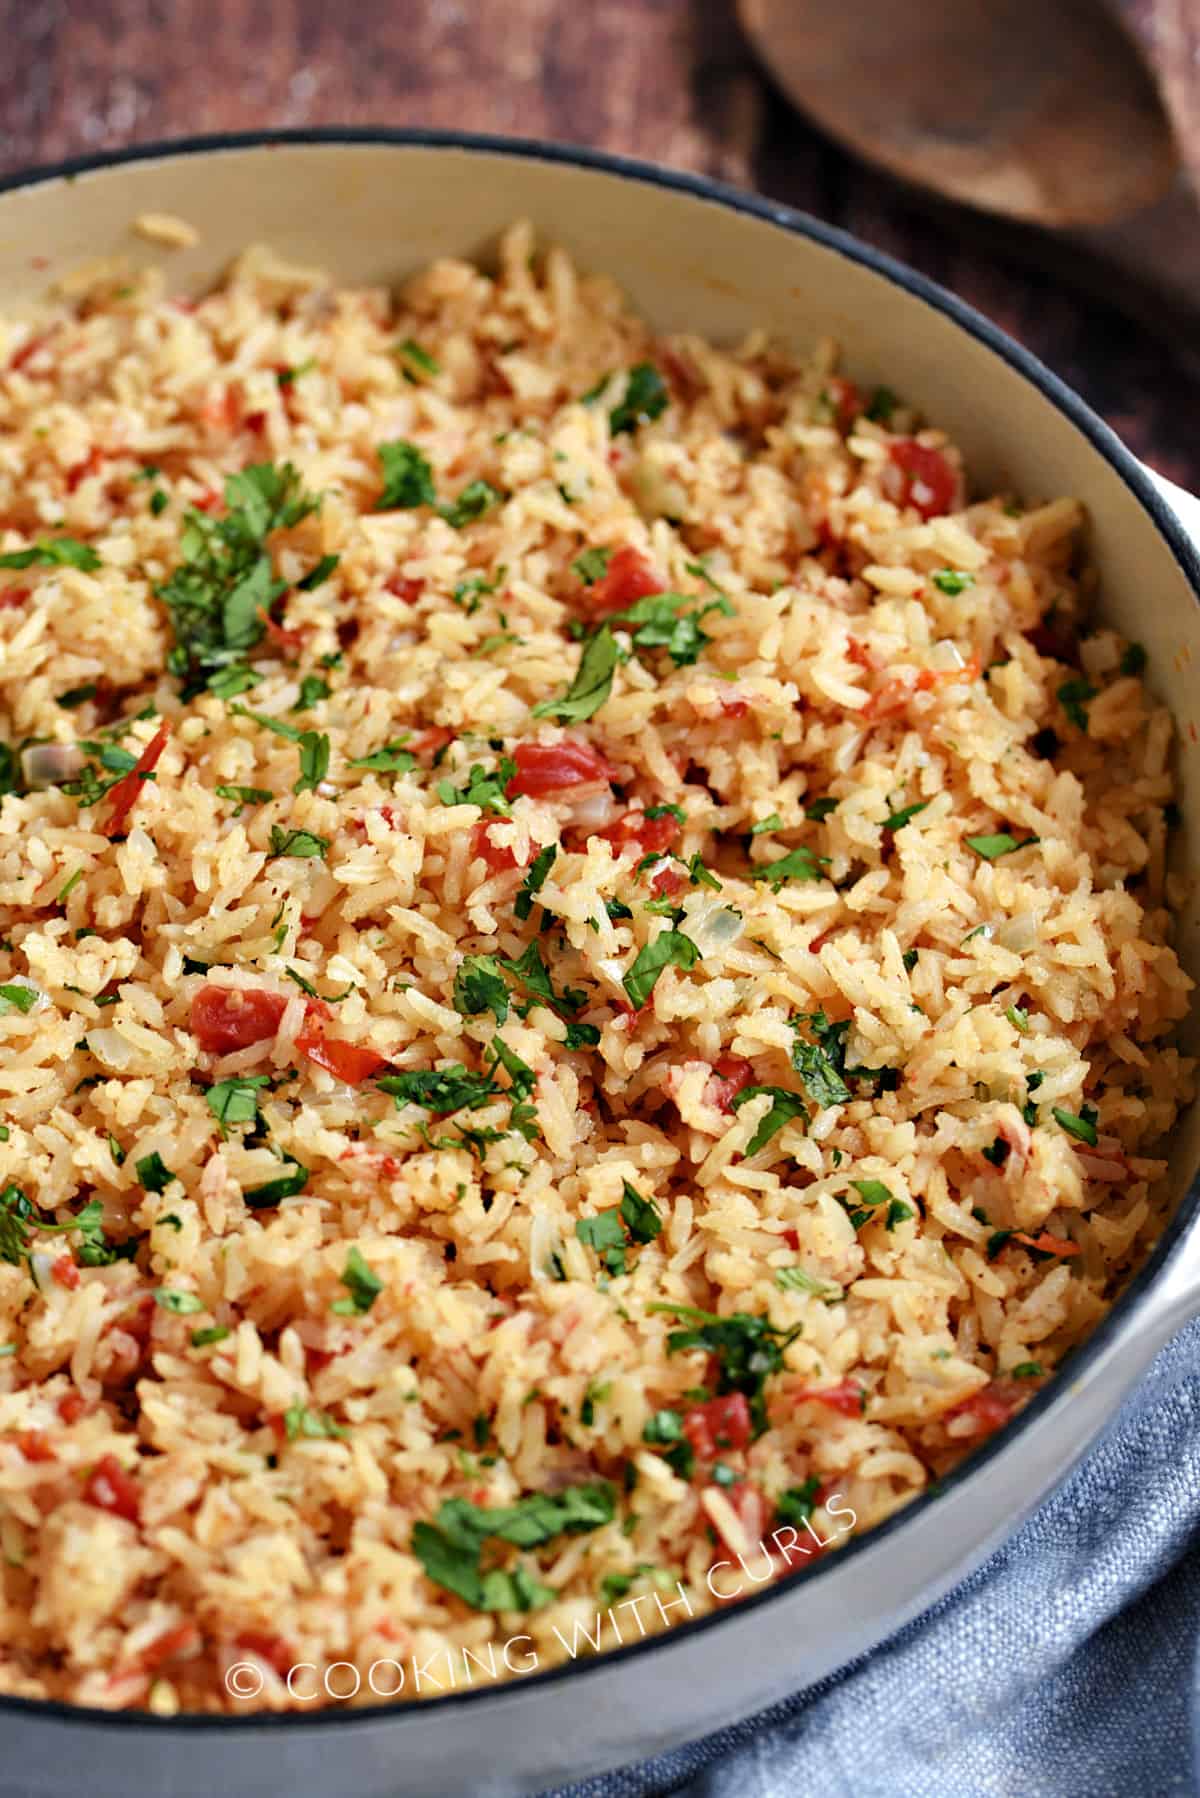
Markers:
point(670, 80)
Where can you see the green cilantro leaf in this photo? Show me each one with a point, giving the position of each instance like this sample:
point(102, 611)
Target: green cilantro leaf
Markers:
point(645, 398)
point(235, 1101)
point(991, 848)
point(670, 950)
point(592, 565)
point(407, 478)
point(54, 552)
point(785, 1106)
point(314, 761)
point(534, 880)
point(592, 683)
point(303, 844)
point(362, 1284)
point(479, 986)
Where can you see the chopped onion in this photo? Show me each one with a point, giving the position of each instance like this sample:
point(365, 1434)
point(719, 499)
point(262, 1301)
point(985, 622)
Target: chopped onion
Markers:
point(49, 764)
point(40, 1266)
point(845, 757)
point(945, 655)
point(544, 1244)
point(112, 1048)
point(594, 809)
point(710, 923)
point(1018, 934)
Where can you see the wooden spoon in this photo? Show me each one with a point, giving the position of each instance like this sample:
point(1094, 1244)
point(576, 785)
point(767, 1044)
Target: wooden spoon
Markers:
point(1043, 111)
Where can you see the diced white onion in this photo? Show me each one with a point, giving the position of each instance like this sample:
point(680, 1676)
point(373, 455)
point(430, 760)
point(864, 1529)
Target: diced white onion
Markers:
point(592, 811)
point(945, 655)
point(1018, 935)
point(710, 923)
point(40, 1265)
point(49, 764)
point(544, 1244)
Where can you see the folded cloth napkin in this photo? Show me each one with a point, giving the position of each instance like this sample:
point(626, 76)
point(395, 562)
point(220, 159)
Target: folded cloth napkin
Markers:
point(1063, 1668)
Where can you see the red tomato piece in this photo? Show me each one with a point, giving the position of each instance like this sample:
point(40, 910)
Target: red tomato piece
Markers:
point(14, 596)
point(730, 1074)
point(65, 1272)
point(1048, 1244)
point(81, 470)
point(634, 830)
point(224, 1019)
point(124, 795)
point(889, 699)
point(733, 705)
point(845, 1397)
point(110, 1488)
point(846, 401)
point(989, 1409)
point(72, 1406)
point(498, 856)
point(930, 483)
point(628, 577)
point(35, 1446)
point(29, 350)
point(668, 883)
point(164, 1648)
point(940, 677)
point(271, 1649)
point(409, 591)
point(345, 1061)
point(721, 1423)
point(289, 640)
point(553, 767)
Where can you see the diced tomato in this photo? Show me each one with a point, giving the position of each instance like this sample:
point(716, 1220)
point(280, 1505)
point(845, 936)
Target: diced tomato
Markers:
point(634, 830)
point(271, 1649)
point(628, 577)
point(859, 653)
point(35, 1446)
point(721, 1423)
point(208, 501)
point(81, 470)
point(110, 1488)
point(792, 1238)
point(668, 882)
point(553, 767)
point(224, 1019)
point(930, 483)
point(124, 795)
point(345, 1061)
point(28, 350)
point(846, 399)
point(72, 1406)
point(166, 1647)
point(220, 410)
point(889, 699)
point(990, 1408)
point(845, 1397)
point(730, 1074)
point(733, 705)
point(409, 591)
point(940, 677)
point(65, 1272)
point(256, 422)
point(428, 742)
point(14, 596)
point(289, 640)
point(1048, 1244)
point(498, 856)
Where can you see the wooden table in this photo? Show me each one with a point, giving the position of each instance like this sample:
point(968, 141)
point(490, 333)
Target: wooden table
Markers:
point(671, 80)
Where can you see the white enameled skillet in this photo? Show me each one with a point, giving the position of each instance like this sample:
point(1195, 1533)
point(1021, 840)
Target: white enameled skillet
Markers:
point(374, 206)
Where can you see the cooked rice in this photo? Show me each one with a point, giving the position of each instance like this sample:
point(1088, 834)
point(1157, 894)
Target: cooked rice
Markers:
point(503, 1355)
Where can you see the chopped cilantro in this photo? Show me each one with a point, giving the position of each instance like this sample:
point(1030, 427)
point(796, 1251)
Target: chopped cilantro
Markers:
point(235, 1101)
point(313, 748)
point(298, 1420)
point(393, 758)
point(785, 1105)
point(1073, 696)
point(411, 355)
point(214, 1333)
point(1018, 1018)
point(24, 998)
point(798, 1279)
point(534, 880)
point(450, 1549)
point(774, 822)
point(54, 552)
point(474, 500)
point(77, 696)
point(303, 844)
point(483, 789)
point(479, 986)
point(797, 1504)
point(671, 949)
point(312, 689)
point(362, 1283)
point(1082, 1127)
point(182, 1304)
point(592, 565)
point(267, 1196)
point(953, 580)
point(799, 864)
point(153, 1174)
point(899, 819)
point(592, 683)
point(645, 397)
point(882, 404)
point(245, 795)
point(407, 478)
point(1132, 662)
point(317, 575)
point(991, 848)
